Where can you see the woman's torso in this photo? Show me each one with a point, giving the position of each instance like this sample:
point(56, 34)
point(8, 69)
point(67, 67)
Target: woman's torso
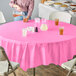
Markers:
point(24, 4)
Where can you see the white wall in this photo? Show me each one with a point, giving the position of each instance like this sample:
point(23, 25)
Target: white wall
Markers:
point(35, 12)
point(7, 10)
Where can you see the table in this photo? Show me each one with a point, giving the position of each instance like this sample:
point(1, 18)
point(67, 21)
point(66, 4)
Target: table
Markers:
point(44, 14)
point(38, 48)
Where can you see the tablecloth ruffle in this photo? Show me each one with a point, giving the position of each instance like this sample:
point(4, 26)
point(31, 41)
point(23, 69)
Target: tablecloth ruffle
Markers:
point(31, 55)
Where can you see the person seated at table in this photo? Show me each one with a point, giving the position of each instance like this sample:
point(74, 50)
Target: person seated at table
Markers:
point(24, 6)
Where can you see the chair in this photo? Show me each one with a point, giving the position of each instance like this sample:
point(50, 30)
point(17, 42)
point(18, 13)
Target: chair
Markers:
point(2, 19)
point(62, 16)
point(6, 67)
point(70, 65)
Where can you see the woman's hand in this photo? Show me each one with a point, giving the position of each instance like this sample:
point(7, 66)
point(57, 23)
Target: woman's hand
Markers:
point(25, 20)
point(27, 17)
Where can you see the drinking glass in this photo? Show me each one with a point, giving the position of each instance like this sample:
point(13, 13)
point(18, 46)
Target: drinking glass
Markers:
point(44, 21)
point(37, 22)
point(61, 30)
point(24, 32)
point(24, 19)
point(44, 26)
point(56, 22)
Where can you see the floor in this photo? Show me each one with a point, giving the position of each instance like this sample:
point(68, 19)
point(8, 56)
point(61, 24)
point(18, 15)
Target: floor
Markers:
point(50, 70)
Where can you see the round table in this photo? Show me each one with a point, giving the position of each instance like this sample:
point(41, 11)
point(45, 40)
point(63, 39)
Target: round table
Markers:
point(38, 48)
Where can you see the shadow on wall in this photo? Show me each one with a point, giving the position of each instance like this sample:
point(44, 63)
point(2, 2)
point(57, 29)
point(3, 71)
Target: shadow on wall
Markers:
point(35, 11)
point(7, 10)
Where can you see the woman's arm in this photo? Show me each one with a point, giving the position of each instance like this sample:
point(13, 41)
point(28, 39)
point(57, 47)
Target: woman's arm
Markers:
point(30, 9)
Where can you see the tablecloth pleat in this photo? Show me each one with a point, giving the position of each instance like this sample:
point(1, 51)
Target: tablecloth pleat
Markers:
point(35, 54)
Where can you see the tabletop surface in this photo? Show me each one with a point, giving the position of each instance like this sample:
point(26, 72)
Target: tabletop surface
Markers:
point(13, 31)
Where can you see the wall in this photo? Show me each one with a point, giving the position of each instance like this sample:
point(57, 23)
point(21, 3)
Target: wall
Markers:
point(35, 12)
point(7, 10)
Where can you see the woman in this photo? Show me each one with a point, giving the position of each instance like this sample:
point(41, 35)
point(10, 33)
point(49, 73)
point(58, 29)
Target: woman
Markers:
point(24, 6)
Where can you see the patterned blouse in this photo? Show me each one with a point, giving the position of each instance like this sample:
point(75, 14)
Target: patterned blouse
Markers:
point(26, 5)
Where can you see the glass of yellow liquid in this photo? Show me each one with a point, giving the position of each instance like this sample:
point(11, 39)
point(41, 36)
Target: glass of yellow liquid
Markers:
point(44, 26)
point(24, 32)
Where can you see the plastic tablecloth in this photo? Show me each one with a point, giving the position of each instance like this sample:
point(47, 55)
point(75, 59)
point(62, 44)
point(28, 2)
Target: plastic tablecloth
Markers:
point(38, 48)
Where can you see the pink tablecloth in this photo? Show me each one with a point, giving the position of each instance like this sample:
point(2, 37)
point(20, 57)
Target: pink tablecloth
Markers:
point(38, 48)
